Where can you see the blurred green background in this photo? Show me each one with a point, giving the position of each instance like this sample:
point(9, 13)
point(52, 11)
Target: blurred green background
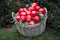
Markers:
point(52, 26)
point(9, 6)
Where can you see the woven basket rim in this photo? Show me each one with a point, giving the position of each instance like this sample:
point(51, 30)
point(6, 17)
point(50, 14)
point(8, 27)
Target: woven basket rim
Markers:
point(33, 25)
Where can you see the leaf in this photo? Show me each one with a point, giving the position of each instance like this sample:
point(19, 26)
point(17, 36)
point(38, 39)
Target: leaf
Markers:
point(22, 24)
point(42, 21)
point(27, 5)
point(42, 17)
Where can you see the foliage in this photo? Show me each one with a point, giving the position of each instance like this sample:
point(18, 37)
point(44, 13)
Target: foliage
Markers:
point(7, 6)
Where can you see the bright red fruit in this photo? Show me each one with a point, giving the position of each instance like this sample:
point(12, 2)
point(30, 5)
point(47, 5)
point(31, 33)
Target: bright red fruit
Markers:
point(23, 18)
point(18, 14)
point(41, 14)
point(34, 4)
point(31, 23)
point(31, 8)
point(34, 13)
point(18, 18)
point(36, 19)
point(23, 14)
point(28, 12)
point(42, 10)
point(21, 10)
point(25, 9)
point(37, 8)
point(29, 18)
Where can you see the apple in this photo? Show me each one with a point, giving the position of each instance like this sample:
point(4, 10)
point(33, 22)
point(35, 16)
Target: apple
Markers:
point(41, 14)
point(18, 18)
point(31, 8)
point(29, 18)
point(42, 10)
point(18, 14)
point(28, 12)
point(23, 14)
point(36, 19)
point(34, 4)
point(34, 13)
point(24, 9)
point(37, 8)
point(21, 10)
point(23, 18)
point(31, 22)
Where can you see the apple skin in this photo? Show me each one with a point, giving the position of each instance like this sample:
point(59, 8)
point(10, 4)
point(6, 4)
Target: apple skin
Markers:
point(37, 8)
point(28, 17)
point(25, 9)
point(31, 8)
point(28, 12)
point(42, 10)
point(23, 18)
point(23, 14)
point(18, 18)
point(31, 22)
point(34, 13)
point(34, 4)
point(18, 14)
point(36, 19)
point(21, 10)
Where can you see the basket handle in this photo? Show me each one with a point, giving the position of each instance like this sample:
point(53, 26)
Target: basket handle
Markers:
point(13, 16)
point(46, 13)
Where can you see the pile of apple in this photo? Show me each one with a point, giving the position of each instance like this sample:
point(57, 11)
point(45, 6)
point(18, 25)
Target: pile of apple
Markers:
point(30, 15)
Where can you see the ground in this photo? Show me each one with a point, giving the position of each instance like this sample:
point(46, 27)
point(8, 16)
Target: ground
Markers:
point(13, 34)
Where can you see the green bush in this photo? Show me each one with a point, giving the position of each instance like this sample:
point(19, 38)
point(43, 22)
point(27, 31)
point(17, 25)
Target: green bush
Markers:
point(7, 6)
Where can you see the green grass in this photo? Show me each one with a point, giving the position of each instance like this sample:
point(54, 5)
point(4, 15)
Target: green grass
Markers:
point(13, 34)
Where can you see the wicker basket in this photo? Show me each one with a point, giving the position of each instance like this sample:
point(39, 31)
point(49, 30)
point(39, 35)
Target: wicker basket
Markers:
point(35, 30)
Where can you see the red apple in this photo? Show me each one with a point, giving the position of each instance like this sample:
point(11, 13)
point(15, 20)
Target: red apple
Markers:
point(23, 18)
point(23, 14)
point(41, 14)
point(34, 4)
point(25, 9)
point(21, 10)
point(31, 8)
point(34, 13)
point(42, 10)
point(36, 19)
point(37, 8)
point(18, 18)
point(28, 12)
point(18, 14)
point(31, 22)
point(29, 18)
